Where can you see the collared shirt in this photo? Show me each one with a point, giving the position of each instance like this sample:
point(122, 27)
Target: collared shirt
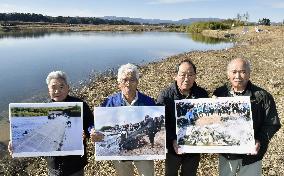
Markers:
point(133, 102)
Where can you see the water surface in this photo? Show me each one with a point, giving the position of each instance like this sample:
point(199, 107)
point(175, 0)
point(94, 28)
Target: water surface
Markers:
point(27, 58)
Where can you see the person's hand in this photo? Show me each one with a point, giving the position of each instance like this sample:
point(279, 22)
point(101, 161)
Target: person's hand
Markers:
point(10, 148)
point(256, 148)
point(84, 135)
point(176, 147)
point(96, 136)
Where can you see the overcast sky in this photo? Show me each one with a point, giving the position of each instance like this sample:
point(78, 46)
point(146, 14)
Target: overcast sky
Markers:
point(159, 9)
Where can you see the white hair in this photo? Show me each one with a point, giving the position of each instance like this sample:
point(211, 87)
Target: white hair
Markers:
point(56, 75)
point(127, 68)
point(246, 62)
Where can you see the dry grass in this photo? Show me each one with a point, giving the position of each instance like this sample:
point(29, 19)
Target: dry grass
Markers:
point(82, 27)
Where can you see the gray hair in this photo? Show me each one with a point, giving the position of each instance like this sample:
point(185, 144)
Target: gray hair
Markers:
point(127, 68)
point(246, 62)
point(56, 75)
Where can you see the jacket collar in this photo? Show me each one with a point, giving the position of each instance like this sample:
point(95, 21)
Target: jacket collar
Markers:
point(132, 103)
point(192, 91)
point(246, 92)
point(65, 100)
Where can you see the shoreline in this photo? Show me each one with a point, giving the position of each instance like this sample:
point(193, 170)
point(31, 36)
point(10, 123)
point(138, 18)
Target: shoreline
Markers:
point(265, 51)
point(85, 27)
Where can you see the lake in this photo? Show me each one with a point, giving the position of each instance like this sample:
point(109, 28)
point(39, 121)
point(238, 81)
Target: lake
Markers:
point(27, 58)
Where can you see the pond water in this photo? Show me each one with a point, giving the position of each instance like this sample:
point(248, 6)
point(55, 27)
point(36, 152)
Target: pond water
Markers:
point(27, 58)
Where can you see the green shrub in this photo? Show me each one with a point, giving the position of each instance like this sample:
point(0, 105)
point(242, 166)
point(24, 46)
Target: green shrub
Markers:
point(198, 27)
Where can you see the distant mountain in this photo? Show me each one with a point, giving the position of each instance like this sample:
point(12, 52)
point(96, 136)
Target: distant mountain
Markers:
point(192, 20)
point(158, 21)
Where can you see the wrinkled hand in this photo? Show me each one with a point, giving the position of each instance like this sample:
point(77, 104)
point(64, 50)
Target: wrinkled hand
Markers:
point(176, 147)
point(256, 148)
point(10, 148)
point(96, 136)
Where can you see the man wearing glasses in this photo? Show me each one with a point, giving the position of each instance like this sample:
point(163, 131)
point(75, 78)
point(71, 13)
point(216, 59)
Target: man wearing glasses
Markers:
point(184, 87)
point(128, 79)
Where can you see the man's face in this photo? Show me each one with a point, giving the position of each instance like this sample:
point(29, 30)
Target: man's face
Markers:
point(238, 75)
point(185, 76)
point(128, 84)
point(58, 89)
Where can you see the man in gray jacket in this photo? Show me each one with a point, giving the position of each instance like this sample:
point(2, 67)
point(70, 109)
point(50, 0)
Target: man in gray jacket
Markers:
point(265, 120)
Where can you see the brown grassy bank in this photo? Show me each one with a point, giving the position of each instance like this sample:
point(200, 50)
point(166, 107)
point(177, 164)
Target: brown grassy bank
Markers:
point(82, 27)
point(265, 50)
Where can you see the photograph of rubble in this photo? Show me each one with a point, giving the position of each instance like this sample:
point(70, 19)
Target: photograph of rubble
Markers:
point(46, 129)
point(215, 125)
point(130, 132)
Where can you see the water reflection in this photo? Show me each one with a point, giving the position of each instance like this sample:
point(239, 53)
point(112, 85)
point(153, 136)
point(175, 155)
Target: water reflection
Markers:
point(24, 34)
point(43, 33)
point(208, 40)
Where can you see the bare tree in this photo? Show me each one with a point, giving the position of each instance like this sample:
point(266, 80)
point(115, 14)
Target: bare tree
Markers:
point(246, 16)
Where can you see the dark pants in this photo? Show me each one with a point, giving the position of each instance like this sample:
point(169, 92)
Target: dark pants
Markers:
point(78, 173)
point(188, 163)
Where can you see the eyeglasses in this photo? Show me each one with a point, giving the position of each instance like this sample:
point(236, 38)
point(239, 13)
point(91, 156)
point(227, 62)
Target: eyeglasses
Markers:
point(238, 71)
point(125, 80)
point(183, 76)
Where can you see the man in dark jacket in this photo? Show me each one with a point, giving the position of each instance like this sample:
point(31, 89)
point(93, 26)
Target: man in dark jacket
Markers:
point(67, 165)
point(184, 87)
point(264, 114)
point(72, 165)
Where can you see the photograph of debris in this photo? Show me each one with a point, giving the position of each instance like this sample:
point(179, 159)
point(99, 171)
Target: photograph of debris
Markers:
point(215, 125)
point(130, 132)
point(46, 129)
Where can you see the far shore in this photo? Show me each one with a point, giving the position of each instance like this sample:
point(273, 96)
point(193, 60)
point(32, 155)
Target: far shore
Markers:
point(85, 27)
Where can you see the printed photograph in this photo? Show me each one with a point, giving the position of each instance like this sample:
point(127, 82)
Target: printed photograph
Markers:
point(215, 125)
point(46, 129)
point(130, 132)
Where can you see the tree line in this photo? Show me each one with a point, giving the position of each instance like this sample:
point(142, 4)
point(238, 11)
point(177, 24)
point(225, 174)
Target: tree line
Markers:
point(43, 111)
point(32, 17)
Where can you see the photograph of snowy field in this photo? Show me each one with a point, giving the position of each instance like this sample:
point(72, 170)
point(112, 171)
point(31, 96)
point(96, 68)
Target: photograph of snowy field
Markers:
point(46, 129)
point(215, 125)
point(130, 132)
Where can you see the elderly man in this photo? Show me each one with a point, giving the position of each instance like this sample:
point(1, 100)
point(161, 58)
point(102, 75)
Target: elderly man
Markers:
point(184, 87)
point(58, 89)
point(265, 119)
point(127, 78)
